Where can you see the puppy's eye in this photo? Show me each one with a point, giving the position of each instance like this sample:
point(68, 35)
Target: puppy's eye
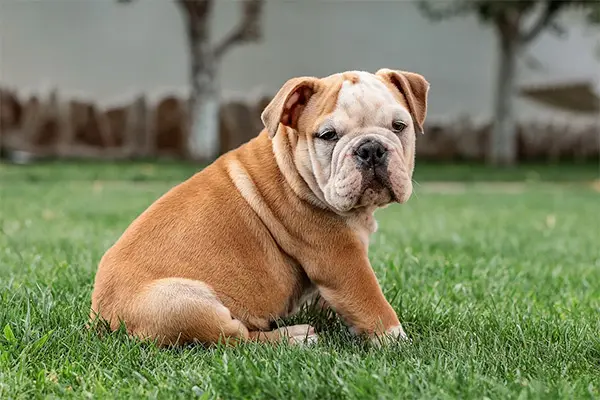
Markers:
point(328, 135)
point(398, 126)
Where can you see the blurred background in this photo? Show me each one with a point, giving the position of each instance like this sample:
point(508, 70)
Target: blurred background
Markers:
point(512, 82)
point(493, 265)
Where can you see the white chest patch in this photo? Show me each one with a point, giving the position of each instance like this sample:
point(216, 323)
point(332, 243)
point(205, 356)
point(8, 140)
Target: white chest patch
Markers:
point(365, 102)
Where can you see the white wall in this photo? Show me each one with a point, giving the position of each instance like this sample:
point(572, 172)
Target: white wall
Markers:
point(105, 50)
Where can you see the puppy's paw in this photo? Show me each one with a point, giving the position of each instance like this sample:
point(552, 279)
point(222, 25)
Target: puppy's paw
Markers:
point(301, 335)
point(393, 334)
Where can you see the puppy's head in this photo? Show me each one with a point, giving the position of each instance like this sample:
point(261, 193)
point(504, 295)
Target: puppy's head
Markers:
point(351, 135)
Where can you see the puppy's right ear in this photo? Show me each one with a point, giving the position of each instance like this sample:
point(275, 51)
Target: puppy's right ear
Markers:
point(288, 104)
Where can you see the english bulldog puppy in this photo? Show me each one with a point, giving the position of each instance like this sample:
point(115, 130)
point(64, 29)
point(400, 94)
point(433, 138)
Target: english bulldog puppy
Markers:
point(268, 225)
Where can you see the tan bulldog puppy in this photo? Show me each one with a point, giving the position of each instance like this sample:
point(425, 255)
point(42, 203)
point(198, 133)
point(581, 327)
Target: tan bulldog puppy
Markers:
point(268, 225)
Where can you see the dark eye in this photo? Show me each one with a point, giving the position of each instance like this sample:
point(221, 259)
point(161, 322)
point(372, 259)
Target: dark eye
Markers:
point(398, 126)
point(328, 134)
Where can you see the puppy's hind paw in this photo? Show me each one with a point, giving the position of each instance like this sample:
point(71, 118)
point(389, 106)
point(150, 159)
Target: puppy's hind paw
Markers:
point(303, 335)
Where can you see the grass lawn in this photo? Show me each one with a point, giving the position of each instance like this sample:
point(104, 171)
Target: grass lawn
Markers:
point(498, 286)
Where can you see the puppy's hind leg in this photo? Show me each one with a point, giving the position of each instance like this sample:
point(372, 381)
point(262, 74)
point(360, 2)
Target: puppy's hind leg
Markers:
point(177, 311)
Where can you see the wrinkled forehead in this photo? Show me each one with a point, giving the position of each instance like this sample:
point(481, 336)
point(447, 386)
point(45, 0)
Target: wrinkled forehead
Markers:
point(365, 99)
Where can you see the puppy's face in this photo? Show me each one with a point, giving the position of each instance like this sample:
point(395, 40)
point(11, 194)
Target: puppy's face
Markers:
point(352, 135)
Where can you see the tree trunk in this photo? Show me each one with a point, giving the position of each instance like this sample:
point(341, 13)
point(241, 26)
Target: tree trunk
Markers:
point(203, 139)
point(203, 131)
point(503, 140)
point(203, 111)
point(203, 116)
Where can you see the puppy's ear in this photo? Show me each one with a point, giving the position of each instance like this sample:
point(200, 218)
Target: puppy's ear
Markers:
point(414, 88)
point(288, 104)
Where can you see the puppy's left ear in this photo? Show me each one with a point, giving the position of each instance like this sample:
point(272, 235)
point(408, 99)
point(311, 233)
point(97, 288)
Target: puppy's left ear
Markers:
point(415, 88)
point(288, 104)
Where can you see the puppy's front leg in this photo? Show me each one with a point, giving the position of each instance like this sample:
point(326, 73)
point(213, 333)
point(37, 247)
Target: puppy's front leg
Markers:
point(348, 284)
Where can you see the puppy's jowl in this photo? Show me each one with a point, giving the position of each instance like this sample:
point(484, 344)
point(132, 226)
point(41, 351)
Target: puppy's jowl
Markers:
point(251, 237)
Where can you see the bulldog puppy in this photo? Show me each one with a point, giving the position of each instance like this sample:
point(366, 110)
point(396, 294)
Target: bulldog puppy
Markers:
point(266, 226)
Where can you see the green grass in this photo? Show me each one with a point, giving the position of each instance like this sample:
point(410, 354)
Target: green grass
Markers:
point(177, 170)
point(499, 290)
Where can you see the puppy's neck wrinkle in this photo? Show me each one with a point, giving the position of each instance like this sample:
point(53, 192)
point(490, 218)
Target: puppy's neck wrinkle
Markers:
point(283, 153)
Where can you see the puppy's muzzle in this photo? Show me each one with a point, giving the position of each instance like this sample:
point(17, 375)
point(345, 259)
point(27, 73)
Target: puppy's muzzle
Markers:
point(370, 154)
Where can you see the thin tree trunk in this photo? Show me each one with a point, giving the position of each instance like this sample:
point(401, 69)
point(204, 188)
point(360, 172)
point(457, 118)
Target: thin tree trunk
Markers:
point(203, 139)
point(503, 141)
point(203, 111)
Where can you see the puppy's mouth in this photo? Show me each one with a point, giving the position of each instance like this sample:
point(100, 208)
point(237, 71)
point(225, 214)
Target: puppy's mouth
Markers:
point(376, 182)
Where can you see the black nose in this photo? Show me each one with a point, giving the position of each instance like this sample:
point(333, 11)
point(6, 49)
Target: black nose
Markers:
point(371, 153)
